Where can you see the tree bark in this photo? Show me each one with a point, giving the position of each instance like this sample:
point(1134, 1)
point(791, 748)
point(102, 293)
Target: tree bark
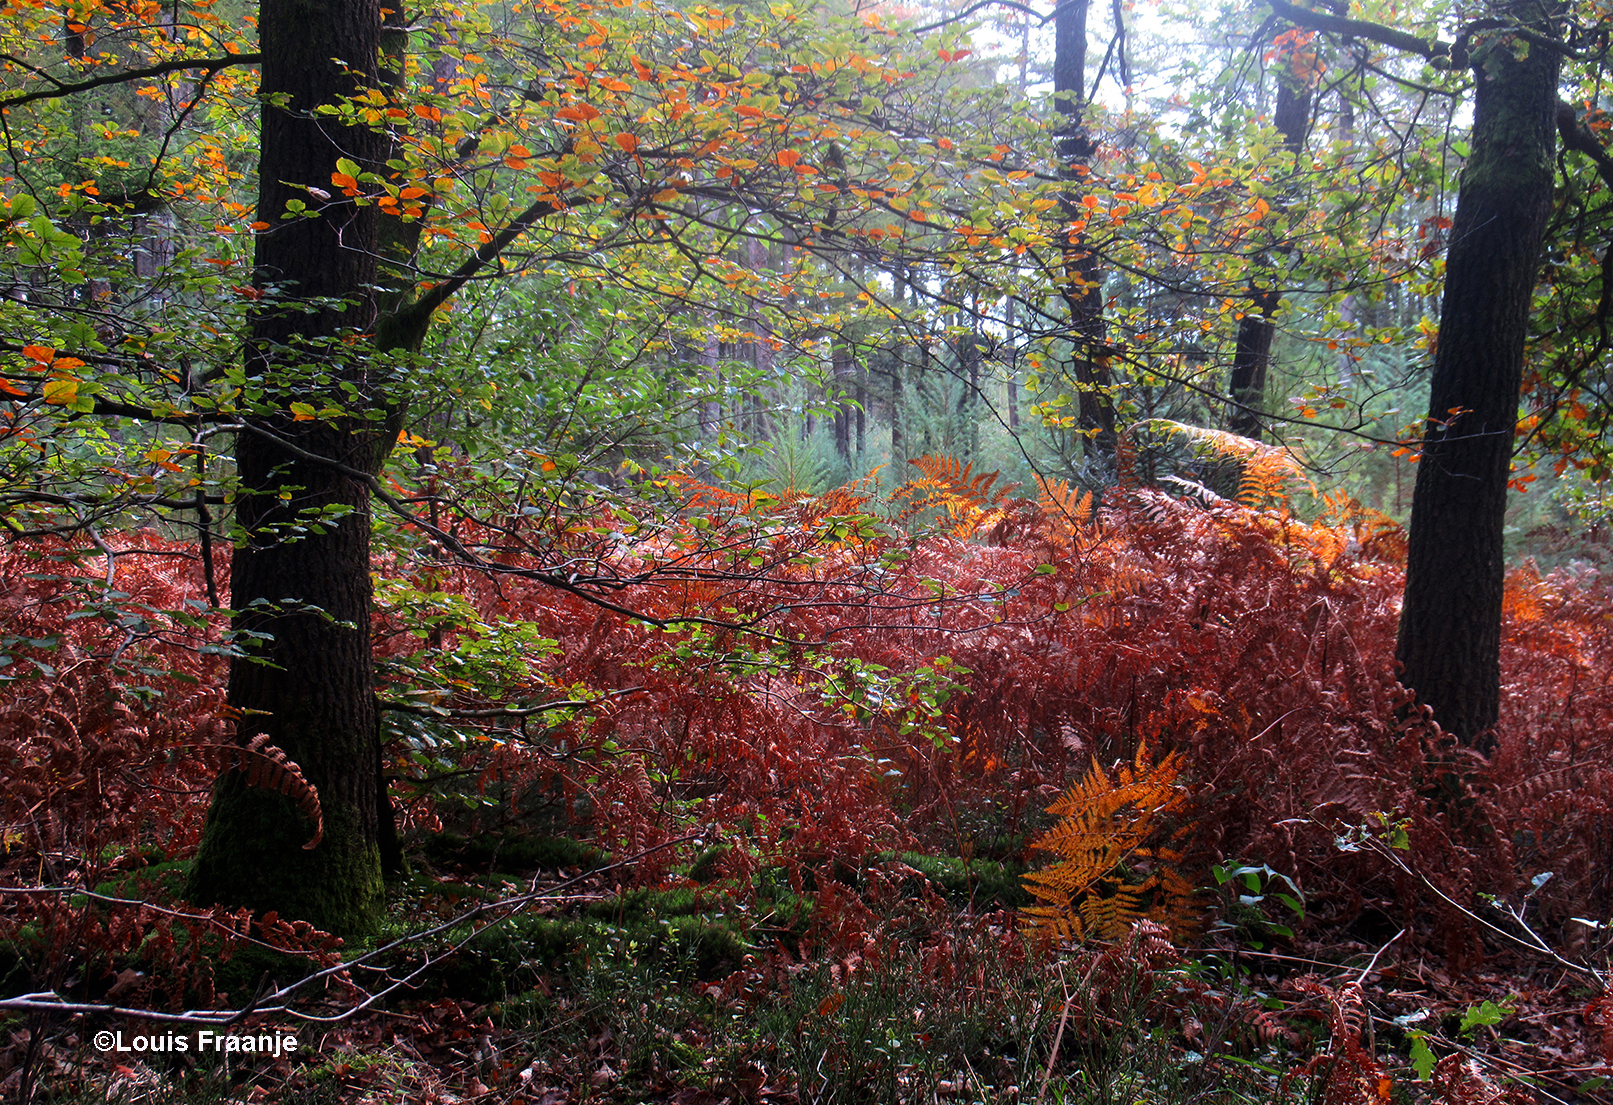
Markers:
point(1251, 355)
point(1450, 624)
point(301, 578)
point(1082, 275)
point(842, 370)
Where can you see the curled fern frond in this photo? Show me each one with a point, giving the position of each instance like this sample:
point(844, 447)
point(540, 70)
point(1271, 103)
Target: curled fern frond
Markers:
point(269, 768)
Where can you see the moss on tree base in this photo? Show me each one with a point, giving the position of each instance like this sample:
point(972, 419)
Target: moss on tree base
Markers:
point(252, 855)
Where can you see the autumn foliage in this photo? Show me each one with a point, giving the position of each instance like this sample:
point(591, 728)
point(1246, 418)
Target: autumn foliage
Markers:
point(825, 686)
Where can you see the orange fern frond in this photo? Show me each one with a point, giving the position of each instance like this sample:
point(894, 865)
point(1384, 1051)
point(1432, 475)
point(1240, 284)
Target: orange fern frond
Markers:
point(1119, 855)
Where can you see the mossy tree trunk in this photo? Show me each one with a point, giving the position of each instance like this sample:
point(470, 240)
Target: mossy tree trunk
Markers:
point(301, 570)
point(1450, 624)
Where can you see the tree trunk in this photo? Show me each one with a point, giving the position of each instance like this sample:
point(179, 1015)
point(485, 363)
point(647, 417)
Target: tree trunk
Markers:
point(1450, 624)
point(841, 371)
point(301, 580)
point(1252, 355)
point(1082, 277)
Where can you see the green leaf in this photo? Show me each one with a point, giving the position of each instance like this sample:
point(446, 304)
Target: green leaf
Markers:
point(1422, 1058)
point(1483, 1015)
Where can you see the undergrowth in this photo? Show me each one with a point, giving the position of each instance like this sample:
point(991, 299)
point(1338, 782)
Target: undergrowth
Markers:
point(778, 851)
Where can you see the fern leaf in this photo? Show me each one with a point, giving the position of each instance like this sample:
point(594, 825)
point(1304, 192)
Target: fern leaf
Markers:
point(1118, 855)
point(268, 768)
point(1266, 468)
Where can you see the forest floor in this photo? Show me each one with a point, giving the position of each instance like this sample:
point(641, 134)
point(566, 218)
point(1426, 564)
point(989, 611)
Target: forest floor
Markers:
point(688, 993)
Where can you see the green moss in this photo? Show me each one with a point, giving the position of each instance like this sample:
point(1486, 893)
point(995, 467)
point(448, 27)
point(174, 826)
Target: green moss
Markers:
point(706, 867)
point(509, 958)
point(644, 903)
point(160, 882)
point(512, 852)
point(252, 855)
point(967, 880)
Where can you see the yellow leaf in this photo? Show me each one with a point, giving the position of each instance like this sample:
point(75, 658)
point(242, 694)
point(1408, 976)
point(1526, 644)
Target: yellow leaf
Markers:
point(63, 392)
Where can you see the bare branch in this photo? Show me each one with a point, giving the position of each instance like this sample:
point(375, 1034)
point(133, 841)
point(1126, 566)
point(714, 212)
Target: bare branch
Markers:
point(61, 89)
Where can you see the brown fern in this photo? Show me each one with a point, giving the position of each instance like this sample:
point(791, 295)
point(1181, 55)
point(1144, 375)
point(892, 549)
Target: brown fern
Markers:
point(1348, 1072)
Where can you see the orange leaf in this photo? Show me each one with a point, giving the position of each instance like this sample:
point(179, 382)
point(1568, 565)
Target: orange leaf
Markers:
point(628, 142)
point(41, 353)
point(787, 158)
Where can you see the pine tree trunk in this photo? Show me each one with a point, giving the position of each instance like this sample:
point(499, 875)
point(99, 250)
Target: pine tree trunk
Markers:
point(1450, 624)
point(301, 583)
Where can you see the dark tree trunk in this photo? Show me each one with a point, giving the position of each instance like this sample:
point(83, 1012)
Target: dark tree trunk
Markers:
point(1252, 355)
point(1450, 624)
point(301, 583)
point(1081, 276)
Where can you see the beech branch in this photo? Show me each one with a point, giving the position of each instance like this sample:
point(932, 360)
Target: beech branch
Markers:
point(500, 711)
point(1443, 55)
point(417, 313)
point(1360, 28)
point(60, 89)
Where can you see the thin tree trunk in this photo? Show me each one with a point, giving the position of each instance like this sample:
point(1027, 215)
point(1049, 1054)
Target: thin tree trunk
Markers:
point(840, 370)
point(1082, 277)
point(1252, 355)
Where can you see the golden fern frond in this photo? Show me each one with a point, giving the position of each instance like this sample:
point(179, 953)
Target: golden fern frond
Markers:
point(1266, 468)
point(959, 480)
point(1056, 922)
point(1265, 478)
point(968, 498)
point(1119, 855)
point(1070, 511)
